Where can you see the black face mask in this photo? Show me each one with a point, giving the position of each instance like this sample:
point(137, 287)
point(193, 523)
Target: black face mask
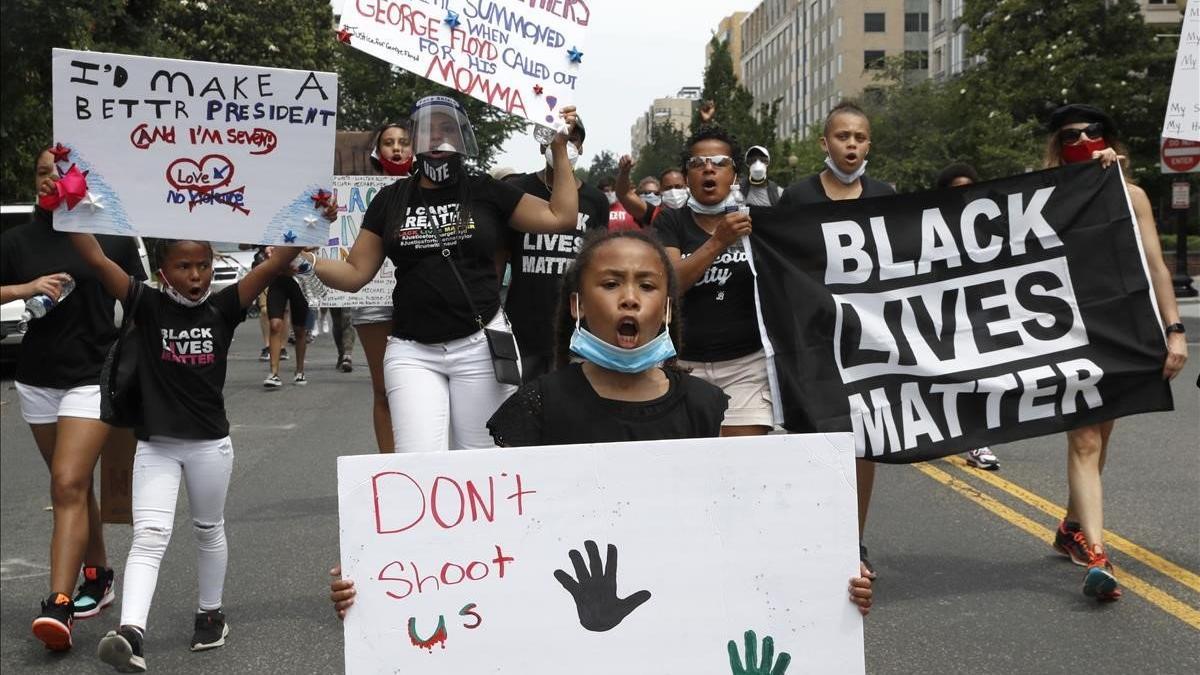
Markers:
point(443, 171)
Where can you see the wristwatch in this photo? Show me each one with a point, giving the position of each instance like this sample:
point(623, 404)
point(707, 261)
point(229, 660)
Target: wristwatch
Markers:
point(1175, 328)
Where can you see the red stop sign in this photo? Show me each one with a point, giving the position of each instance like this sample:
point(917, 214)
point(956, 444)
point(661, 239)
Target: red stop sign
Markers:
point(1179, 155)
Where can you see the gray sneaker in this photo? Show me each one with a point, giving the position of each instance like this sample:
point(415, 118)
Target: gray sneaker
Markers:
point(983, 458)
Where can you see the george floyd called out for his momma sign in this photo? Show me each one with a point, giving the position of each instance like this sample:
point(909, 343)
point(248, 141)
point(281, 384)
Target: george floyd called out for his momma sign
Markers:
point(189, 149)
point(657, 556)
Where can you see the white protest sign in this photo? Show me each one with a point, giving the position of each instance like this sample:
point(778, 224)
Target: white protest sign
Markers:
point(1183, 106)
point(354, 194)
point(519, 56)
point(462, 560)
point(189, 149)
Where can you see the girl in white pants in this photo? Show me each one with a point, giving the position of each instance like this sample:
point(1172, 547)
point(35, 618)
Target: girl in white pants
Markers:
point(181, 336)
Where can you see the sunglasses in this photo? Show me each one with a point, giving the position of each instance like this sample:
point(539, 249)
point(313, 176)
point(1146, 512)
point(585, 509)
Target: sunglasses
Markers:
point(718, 161)
point(1094, 131)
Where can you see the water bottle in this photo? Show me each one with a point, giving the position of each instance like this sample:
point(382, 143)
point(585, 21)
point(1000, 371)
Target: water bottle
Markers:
point(303, 266)
point(40, 304)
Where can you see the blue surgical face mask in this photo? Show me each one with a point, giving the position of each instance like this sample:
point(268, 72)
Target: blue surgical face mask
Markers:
point(611, 357)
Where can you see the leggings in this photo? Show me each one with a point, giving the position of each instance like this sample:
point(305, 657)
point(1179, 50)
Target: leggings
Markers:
point(157, 468)
point(442, 389)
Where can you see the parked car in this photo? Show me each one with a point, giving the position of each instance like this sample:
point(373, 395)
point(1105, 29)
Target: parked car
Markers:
point(231, 262)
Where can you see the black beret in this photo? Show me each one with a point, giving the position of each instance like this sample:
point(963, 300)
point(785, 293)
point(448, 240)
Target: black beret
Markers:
point(1080, 112)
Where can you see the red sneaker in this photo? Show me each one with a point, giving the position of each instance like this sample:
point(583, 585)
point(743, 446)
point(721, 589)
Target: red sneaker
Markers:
point(1099, 582)
point(1065, 543)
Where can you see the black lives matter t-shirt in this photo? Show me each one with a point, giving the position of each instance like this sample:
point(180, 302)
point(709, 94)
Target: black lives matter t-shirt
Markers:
point(719, 317)
point(562, 408)
point(182, 369)
point(428, 304)
point(65, 348)
point(539, 262)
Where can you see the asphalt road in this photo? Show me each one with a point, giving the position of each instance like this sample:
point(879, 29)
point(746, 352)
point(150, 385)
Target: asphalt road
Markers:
point(967, 581)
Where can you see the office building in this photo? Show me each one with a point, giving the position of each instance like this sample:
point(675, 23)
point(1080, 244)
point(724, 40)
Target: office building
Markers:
point(676, 110)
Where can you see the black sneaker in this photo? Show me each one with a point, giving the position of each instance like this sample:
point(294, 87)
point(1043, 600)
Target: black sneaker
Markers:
point(862, 557)
point(122, 649)
point(95, 593)
point(283, 354)
point(211, 630)
point(265, 354)
point(53, 625)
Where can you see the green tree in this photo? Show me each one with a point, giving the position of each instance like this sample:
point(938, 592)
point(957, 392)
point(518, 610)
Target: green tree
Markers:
point(604, 165)
point(1039, 55)
point(661, 153)
point(736, 111)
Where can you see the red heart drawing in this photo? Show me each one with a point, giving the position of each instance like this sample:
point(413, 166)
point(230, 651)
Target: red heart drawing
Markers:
point(210, 173)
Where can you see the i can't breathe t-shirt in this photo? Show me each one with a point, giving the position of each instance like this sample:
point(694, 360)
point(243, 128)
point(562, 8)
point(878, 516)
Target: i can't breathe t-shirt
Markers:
point(416, 225)
point(183, 364)
point(719, 318)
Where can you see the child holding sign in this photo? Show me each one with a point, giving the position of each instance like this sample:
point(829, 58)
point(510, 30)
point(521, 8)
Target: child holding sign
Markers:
point(627, 387)
point(183, 336)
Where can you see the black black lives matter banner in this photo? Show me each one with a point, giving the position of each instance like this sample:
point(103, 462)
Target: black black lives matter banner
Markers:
point(936, 322)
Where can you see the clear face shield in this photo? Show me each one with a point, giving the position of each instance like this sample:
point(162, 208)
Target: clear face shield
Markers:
point(439, 124)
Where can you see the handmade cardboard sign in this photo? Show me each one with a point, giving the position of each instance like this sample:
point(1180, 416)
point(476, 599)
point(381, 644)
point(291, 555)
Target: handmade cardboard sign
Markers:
point(521, 57)
point(602, 559)
point(189, 149)
point(1182, 120)
point(354, 194)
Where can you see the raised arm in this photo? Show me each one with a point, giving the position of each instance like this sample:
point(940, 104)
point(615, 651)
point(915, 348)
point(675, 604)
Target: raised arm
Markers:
point(114, 279)
point(628, 197)
point(258, 278)
point(562, 211)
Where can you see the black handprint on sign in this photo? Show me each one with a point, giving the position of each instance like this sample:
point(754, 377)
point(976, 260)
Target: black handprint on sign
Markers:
point(595, 592)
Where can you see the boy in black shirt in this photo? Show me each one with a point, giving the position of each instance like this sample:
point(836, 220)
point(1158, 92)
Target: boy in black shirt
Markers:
point(182, 336)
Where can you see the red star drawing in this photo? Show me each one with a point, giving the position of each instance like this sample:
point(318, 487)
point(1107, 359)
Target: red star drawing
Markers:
point(343, 35)
point(321, 198)
point(537, 89)
point(60, 152)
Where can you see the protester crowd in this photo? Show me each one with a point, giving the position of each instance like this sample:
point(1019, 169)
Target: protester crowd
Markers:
point(630, 315)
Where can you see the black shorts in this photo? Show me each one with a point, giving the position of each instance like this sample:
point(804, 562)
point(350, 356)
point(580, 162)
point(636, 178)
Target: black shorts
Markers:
point(282, 292)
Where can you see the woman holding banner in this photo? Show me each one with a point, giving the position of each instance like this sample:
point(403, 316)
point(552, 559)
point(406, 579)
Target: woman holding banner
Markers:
point(1082, 133)
point(846, 140)
point(58, 383)
point(442, 229)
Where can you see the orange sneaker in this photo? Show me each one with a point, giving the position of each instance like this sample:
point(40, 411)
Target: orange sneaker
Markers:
point(53, 625)
point(1099, 582)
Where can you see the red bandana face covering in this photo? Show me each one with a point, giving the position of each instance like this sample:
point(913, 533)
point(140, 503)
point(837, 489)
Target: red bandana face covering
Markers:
point(1082, 151)
point(396, 168)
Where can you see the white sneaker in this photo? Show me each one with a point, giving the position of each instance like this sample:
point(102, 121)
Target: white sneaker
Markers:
point(299, 379)
point(272, 382)
point(983, 458)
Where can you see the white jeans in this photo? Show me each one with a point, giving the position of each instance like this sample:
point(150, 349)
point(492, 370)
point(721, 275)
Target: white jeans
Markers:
point(157, 468)
point(442, 389)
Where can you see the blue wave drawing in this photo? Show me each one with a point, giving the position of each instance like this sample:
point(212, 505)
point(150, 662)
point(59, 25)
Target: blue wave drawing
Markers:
point(112, 218)
point(291, 217)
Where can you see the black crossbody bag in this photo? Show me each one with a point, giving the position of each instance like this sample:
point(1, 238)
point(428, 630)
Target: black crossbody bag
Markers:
point(120, 395)
point(506, 360)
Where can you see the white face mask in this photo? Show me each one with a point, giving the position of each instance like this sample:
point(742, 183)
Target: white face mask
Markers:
point(180, 298)
point(675, 197)
point(845, 178)
point(758, 172)
point(572, 155)
point(611, 197)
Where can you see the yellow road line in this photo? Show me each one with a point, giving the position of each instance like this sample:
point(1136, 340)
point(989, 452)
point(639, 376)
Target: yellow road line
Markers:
point(1112, 539)
point(1164, 601)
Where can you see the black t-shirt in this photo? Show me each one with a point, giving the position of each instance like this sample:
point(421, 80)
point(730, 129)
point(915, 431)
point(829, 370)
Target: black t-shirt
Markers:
point(182, 369)
point(562, 408)
point(810, 191)
point(428, 304)
point(720, 322)
point(539, 262)
point(65, 348)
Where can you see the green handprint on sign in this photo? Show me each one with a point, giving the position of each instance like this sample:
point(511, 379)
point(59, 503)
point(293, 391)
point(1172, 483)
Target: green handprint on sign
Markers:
point(753, 666)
